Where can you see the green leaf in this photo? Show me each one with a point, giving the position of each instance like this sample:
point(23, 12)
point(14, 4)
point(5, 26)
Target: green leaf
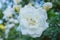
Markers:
point(1, 14)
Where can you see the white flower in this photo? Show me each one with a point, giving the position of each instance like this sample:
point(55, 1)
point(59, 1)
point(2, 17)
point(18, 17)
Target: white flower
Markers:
point(8, 12)
point(17, 1)
point(13, 20)
point(47, 5)
point(7, 29)
point(16, 7)
point(33, 21)
point(9, 26)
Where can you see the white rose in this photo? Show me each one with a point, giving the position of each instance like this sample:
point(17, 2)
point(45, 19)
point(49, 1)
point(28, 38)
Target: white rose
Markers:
point(8, 12)
point(13, 20)
point(17, 1)
point(33, 21)
point(47, 5)
point(16, 8)
point(7, 29)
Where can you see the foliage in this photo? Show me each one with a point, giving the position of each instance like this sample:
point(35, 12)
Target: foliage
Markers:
point(51, 33)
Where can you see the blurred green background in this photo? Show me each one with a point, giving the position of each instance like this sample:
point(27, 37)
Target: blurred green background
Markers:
point(52, 33)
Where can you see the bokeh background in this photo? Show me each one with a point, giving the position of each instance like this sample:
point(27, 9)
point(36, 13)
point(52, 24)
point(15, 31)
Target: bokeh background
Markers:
point(52, 33)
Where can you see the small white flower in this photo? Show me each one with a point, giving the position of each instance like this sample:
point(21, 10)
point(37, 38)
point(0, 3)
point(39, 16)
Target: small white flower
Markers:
point(13, 20)
point(47, 5)
point(16, 7)
point(8, 12)
point(17, 1)
point(7, 29)
point(9, 26)
point(33, 21)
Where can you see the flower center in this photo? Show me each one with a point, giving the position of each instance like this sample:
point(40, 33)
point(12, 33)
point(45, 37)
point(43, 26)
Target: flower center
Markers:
point(32, 22)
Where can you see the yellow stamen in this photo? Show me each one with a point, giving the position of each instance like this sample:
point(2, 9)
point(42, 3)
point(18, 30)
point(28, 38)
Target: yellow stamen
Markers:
point(2, 27)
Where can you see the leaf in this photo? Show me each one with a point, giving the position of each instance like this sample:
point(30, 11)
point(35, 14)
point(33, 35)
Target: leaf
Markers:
point(1, 14)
